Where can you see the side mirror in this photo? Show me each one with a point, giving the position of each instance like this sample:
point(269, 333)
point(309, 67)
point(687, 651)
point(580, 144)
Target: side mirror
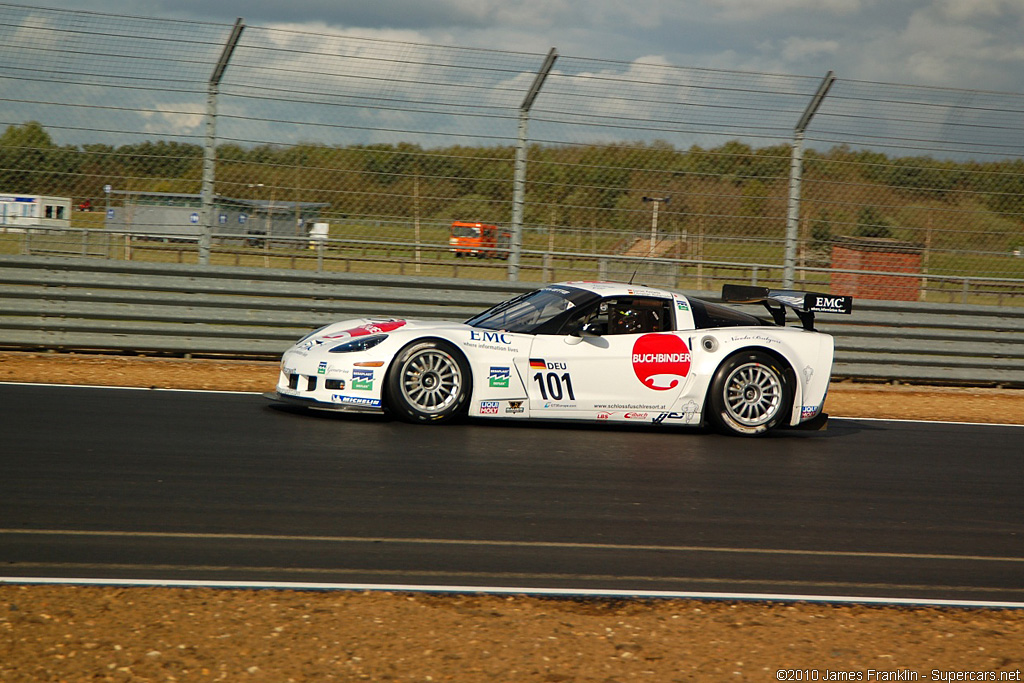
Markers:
point(578, 331)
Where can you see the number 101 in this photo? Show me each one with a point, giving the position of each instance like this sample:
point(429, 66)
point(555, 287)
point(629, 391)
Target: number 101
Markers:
point(551, 386)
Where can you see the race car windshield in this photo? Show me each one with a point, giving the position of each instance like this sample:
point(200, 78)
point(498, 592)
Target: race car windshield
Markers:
point(531, 312)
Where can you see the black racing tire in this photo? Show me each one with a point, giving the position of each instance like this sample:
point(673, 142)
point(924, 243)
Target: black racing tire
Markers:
point(750, 394)
point(429, 382)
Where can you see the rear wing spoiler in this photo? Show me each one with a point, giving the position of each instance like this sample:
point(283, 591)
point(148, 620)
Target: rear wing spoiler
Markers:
point(804, 304)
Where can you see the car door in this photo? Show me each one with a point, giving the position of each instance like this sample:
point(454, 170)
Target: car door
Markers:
point(626, 362)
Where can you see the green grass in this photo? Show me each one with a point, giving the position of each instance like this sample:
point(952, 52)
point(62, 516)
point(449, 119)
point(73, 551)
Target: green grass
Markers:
point(436, 261)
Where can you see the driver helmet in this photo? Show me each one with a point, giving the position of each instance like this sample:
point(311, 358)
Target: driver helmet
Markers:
point(627, 321)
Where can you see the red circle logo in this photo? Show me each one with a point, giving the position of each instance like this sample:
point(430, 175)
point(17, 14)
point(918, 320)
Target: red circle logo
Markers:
point(660, 361)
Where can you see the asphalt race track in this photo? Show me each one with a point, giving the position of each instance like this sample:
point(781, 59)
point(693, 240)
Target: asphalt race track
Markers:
point(133, 484)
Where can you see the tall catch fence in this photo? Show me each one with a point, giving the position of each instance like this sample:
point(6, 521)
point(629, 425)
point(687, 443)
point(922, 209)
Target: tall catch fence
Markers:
point(265, 146)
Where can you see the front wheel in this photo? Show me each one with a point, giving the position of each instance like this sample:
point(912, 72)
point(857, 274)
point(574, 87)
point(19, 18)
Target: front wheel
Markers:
point(749, 394)
point(429, 382)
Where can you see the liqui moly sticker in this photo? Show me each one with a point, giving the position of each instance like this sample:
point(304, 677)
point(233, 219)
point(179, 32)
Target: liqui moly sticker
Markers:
point(661, 361)
point(370, 328)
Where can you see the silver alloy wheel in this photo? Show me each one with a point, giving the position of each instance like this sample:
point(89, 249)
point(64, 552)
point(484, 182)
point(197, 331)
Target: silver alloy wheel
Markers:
point(753, 394)
point(431, 381)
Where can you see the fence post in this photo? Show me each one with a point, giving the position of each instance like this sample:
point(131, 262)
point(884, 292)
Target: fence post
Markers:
point(210, 148)
point(796, 165)
point(519, 178)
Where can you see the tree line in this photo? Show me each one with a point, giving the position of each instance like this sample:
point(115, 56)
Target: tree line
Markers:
point(733, 188)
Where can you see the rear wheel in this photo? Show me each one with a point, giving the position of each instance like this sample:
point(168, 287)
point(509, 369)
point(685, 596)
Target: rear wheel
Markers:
point(750, 394)
point(429, 382)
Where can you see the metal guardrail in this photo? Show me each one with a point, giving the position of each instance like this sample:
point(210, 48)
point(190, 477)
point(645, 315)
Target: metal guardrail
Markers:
point(87, 304)
point(48, 302)
point(537, 265)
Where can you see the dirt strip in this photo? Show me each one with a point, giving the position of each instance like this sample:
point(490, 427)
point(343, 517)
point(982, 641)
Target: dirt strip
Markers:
point(850, 399)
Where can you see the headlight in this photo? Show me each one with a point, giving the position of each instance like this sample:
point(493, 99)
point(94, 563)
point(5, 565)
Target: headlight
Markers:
point(359, 344)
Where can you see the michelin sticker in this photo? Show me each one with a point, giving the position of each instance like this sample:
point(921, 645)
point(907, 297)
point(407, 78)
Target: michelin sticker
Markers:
point(356, 401)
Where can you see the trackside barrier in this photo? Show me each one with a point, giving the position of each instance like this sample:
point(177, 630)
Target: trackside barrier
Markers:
point(436, 259)
point(185, 309)
point(85, 304)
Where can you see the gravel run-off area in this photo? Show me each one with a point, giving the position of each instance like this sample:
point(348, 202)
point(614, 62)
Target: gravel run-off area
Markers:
point(87, 633)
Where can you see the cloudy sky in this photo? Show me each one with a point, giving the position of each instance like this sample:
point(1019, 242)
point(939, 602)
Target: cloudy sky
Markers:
point(974, 44)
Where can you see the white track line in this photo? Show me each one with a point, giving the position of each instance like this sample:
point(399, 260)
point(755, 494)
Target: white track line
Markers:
point(938, 422)
point(511, 590)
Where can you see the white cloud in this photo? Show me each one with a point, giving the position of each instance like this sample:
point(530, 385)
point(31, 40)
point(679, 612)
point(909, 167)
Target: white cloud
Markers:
point(334, 37)
point(538, 14)
point(750, 10)
point(799, 49)
point(174, 117)
point(956, 44)
point(961, 10)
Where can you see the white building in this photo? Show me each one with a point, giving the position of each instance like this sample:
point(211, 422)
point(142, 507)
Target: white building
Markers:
point(176, 215)
point(34, 210)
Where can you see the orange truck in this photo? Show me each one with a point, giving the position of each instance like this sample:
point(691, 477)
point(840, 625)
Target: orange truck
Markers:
point(479, 239)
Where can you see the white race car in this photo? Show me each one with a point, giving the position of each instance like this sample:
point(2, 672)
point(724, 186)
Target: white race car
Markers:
point(591, 351)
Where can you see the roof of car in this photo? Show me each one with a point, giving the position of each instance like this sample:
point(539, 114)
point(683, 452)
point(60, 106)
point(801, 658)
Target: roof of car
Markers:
point(607, 288)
